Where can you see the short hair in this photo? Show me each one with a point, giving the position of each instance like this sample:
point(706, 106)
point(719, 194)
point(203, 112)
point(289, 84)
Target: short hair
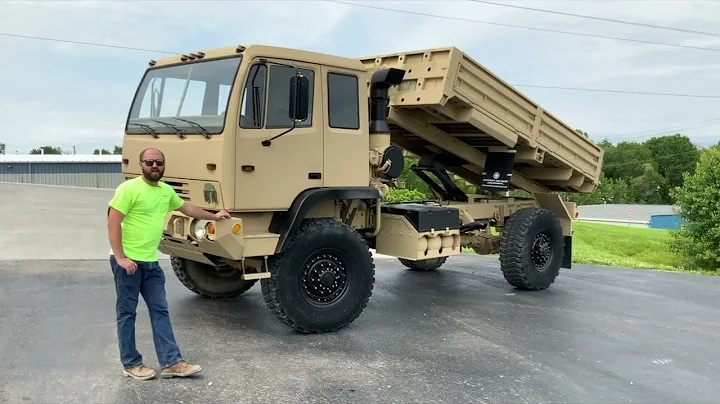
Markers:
point(142, 153)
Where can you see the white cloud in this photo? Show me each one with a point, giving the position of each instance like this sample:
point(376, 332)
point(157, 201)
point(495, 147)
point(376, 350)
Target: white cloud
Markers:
point(46, 99)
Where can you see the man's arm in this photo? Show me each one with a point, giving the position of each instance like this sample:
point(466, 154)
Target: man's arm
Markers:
point(195, 212)
point(115, 218)
point(117, 209)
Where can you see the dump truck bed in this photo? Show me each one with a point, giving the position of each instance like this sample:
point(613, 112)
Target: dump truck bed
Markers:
point(450, 104)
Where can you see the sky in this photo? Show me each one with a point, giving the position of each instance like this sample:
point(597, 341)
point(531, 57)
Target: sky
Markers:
point(77, 96)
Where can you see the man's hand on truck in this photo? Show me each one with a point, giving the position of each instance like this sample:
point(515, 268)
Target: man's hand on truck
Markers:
point(199, 213)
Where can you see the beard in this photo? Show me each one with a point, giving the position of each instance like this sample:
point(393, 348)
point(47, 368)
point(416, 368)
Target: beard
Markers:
point(152, 175)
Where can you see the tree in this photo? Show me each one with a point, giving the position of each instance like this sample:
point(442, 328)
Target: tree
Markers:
point(117, 150)
point(2, 148)
point(101, 151)
point(47, 150)
point(698, 202)
point(673, 156)
point(626, 159)
point(650, 186)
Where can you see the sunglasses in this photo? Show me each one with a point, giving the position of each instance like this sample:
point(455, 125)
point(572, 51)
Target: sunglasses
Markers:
point(150, 162)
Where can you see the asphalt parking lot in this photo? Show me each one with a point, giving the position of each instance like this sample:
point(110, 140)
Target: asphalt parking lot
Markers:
point(462, 334)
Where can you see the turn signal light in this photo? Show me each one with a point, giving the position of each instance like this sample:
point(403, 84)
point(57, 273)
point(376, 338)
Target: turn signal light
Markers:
point(237, 228)
point(211, 228)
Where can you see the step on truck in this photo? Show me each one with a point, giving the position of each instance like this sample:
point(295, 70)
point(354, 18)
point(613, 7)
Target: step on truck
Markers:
point(302, 148)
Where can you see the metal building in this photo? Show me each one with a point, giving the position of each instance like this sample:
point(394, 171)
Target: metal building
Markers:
point(92, 171)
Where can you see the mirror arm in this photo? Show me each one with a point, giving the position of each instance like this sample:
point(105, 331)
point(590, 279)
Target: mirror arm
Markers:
point(267, 142)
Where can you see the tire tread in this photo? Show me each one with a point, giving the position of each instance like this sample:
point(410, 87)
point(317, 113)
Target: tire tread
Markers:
point(178, 266)
point(513, 245)
point(309, 228)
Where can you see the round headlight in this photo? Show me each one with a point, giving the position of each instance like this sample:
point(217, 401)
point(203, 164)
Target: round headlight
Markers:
point(198, 230)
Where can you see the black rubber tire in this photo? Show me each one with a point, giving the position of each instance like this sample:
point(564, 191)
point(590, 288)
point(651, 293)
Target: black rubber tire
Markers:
point(430, 264)
point(285, 293)
point(516, 249)
point(205, 280)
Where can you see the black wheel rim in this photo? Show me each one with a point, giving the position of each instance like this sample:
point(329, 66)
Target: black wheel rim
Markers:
point(324, 278)
point(541, 252)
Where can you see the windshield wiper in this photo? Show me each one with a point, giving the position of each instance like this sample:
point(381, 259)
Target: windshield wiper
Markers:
point(173, 127)
point(196, 126)
point(147, 128)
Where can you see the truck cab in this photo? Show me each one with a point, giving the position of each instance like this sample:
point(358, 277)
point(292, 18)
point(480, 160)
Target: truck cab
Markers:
point(215, 116)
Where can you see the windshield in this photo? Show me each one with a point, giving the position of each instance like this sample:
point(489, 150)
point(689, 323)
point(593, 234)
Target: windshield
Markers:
point(191, 97)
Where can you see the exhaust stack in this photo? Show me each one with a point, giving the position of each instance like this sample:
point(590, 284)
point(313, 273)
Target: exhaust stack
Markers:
point(386, 161)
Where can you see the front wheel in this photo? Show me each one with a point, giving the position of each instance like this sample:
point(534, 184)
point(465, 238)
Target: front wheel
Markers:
point(531, 249)
point(323, 280)
point(208, 281)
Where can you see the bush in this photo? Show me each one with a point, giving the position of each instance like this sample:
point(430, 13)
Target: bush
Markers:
point(404, 195)
point(698, 201)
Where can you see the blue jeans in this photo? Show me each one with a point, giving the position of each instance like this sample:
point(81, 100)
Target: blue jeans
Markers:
point(149, 281)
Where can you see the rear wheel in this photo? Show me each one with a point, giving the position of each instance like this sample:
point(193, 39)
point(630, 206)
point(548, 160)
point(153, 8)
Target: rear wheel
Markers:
point(531, 249)
point(430, 264)
point(209, 281)
point(323, 280)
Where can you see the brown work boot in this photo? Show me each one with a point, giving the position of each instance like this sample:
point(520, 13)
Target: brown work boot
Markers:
point(180, 369)
point(139, 372)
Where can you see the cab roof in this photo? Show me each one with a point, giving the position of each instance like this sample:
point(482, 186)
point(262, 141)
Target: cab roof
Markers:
point(252, 51)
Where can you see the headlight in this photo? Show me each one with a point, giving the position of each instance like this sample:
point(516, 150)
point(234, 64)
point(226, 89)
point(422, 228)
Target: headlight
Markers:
point(198, 230)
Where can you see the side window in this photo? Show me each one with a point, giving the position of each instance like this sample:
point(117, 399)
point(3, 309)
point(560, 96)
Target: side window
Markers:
point(279, 97)
point(343, 104)
point(252, 114)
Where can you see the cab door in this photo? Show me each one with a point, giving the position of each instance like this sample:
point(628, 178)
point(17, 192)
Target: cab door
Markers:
point(346, 145)
point(270, 177)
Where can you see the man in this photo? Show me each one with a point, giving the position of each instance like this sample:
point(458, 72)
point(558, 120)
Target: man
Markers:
point(135, 225)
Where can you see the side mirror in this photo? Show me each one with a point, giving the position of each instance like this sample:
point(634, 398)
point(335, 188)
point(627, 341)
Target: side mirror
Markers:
point(299, 98)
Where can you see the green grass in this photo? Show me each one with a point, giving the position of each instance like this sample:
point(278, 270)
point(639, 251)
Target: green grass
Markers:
point(623, 246)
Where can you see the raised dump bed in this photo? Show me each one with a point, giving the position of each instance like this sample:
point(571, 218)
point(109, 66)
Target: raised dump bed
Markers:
point(450, 104)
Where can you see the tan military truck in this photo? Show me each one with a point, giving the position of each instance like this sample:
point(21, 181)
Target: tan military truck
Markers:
point(302, 148)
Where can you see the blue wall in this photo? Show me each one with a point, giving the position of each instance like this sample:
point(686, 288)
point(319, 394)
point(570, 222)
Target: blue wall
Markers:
point(665, 222)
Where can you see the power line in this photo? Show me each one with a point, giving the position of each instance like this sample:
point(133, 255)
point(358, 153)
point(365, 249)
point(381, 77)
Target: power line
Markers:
point(525, 27)
point(675, 128)
point(308, 1)
point(84, 43)
point(668, 129)
point(651, 160)
point(647, 134)
point(598, 18)
point(618, 91)
point(515, 85)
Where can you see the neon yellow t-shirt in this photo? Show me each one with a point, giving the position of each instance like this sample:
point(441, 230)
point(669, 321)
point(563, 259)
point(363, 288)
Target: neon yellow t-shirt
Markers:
point(145, 208)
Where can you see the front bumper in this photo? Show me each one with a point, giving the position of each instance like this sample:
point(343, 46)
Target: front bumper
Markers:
point(221, 238)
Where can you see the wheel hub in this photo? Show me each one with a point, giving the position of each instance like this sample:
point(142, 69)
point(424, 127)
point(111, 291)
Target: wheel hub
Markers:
point(541, 252)
point(327, 278)
point(323, 279)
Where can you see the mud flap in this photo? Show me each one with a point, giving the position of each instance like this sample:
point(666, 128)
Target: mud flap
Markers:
point(567, 253)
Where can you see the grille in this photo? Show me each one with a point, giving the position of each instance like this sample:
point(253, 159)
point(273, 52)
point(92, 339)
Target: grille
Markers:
point(181, 188)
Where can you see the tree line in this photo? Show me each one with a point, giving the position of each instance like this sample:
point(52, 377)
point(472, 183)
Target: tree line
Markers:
point(58, 150)
point(643, 172)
